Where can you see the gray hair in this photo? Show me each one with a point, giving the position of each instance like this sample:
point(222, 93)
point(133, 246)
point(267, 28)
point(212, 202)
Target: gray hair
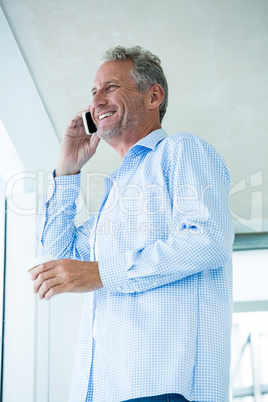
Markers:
point(146, 72)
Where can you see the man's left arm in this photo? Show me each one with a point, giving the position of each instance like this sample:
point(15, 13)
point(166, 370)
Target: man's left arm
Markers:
point(64, 276)
point(201, 236)
point(200, 239)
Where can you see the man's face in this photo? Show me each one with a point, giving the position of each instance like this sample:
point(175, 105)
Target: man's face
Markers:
point(117, 106)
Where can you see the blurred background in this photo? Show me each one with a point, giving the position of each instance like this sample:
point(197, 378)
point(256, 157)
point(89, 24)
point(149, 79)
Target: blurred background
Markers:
point(215, 57)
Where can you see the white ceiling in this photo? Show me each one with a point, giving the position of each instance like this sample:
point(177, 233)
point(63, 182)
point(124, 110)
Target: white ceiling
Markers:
point(215, 57)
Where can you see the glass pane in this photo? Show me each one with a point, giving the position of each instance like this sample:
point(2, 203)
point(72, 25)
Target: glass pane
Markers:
point(249, 357)
point(2, 255)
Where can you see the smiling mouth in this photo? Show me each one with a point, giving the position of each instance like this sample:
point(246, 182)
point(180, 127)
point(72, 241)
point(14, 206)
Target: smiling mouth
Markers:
point(107, 114)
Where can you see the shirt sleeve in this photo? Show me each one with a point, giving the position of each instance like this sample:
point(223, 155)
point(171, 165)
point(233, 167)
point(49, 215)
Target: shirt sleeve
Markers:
point(56, 231)
point(202, 229)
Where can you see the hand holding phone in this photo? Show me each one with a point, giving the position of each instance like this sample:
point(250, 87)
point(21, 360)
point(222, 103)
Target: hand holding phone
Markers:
point(75, 150)
point(89, 124)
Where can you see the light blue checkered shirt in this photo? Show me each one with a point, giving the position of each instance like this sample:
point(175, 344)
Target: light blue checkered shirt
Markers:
point(163, 237)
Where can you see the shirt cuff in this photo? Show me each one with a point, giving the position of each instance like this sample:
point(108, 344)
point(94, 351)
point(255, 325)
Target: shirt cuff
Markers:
point(64, 188)
point(117, 274)
point(113, 272)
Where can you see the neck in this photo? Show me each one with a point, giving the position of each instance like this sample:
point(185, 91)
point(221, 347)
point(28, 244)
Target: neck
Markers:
point(124, 142)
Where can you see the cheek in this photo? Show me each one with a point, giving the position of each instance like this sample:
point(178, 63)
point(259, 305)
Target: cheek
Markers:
point(92, 112)
point(126, 99)
point(126, 96)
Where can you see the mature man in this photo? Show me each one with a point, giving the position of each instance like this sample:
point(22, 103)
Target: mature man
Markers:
point(157, 254)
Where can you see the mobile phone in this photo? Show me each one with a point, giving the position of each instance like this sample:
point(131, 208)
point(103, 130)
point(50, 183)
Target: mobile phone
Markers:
point(89, 123)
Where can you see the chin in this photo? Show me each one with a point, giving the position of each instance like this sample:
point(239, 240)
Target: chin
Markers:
point(107, 134)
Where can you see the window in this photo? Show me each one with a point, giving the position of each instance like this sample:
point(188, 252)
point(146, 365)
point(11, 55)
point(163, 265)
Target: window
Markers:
point(249, 357)
point(249, 368)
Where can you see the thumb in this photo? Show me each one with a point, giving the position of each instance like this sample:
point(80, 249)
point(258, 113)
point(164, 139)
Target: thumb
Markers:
point(94, 142)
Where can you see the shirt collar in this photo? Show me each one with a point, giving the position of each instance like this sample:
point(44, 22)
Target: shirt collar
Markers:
point(151, 140)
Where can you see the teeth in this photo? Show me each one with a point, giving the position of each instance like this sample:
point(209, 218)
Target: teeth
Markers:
point(105, 115)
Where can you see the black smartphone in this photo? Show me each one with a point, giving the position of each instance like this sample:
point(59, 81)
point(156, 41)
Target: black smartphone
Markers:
point(89, 123)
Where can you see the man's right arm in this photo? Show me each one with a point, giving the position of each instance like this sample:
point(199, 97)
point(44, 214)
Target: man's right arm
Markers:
point(76, 147)
point(56, 231)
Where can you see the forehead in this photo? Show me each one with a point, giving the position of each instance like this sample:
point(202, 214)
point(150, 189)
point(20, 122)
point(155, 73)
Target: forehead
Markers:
point(118, 70)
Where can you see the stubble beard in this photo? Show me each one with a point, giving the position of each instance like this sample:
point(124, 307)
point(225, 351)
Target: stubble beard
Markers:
point(132, 120)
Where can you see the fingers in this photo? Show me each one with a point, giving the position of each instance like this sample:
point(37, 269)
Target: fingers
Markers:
point(77, 120)
point(43, 268)
point(62, 276)
point(48, 288)
point(94, 142)
point(44, 279)
point(53, 291)
point(51, 278)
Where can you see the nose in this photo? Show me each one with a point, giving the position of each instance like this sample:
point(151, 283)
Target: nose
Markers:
point(99, 99)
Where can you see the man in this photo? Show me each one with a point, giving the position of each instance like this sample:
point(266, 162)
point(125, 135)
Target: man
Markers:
point(157, 254)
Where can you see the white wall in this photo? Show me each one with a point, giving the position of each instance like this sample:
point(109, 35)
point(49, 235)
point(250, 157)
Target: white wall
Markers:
point(21, 108)
point(2, 258)
point(19, 340)
point(40, 337)
point(215, 56)
point(65, 314)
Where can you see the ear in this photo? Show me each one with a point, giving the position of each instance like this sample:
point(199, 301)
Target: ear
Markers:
point(155, 96)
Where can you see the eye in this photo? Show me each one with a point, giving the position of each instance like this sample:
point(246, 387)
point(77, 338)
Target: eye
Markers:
point(110, 87)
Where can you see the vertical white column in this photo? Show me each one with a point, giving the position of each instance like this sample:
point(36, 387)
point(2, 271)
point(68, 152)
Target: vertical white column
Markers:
point(2, 264)
point(19, 339)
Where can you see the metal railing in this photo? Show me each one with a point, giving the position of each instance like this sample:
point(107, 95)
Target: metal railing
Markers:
point(257, 390)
